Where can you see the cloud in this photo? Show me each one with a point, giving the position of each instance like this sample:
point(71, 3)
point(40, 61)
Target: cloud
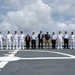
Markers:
point(14, 4)
point(33, 17)
point(64, 8)
point(65, 27)
point(37, 15)
point(5, 7)
point(17, 4)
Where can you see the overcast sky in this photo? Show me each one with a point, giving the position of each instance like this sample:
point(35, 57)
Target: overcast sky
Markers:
point(37, 15)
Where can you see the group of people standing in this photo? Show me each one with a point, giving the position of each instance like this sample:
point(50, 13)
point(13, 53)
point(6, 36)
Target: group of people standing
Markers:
point(15, 38)
point(20, 40)
point(60, 39)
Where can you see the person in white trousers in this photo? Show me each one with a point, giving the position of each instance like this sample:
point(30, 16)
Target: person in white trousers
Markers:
point(8, 40)
point(1, 40)
point(21, 37)
point(60, 37)
point(15, 40)
point(72, 41)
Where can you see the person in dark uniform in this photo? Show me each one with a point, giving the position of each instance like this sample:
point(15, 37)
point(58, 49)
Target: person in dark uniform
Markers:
point(53, 40)
point(27, 39)
point(40, 38)
point(33, 40)
point(66, 40)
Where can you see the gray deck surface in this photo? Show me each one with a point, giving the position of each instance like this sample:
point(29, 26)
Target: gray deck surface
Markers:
point(38, 62)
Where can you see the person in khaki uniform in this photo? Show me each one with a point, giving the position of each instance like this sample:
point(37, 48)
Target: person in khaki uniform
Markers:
point(47, 40)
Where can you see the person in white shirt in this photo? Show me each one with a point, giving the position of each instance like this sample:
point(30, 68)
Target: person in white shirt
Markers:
point(53, 40)
point(33, 40)
point(22, 37)
point(8, 40)
point(66, 40)
point(15, 40)
point(1, 40)
point(72, 41)
point(60, 40)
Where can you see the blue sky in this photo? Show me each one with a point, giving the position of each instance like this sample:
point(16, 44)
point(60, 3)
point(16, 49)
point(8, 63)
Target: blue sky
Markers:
point(36, 15)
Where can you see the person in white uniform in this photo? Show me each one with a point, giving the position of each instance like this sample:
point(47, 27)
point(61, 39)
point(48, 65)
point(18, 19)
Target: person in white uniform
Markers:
point(72, 41)
point(60, 40)
point(15, 40)
point(1, 40)
point(8, 40)
point(22, 37)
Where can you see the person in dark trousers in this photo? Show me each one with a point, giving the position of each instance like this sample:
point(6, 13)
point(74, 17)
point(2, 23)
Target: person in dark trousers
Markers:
point(72, 40)
point(66, 40)
point(53, 40)
point(33, 40)
point(27, 40)
point(40, 38)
